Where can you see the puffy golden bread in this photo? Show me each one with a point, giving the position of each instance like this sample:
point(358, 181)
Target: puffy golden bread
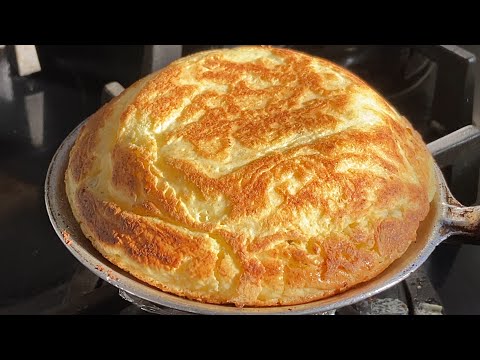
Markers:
point(253, 176)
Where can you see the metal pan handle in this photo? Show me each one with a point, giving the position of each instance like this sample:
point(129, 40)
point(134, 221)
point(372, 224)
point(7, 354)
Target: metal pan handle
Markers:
point(458, 219)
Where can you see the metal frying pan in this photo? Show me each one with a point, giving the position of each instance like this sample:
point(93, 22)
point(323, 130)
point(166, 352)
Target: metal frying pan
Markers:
point(447, 217)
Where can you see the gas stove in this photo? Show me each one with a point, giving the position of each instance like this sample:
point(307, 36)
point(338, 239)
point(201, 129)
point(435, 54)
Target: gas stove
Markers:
point(433, 86)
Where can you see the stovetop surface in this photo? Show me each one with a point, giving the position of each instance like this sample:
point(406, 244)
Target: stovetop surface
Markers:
point(36, 114)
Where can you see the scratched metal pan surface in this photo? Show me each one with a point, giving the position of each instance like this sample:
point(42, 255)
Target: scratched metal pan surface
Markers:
point(447, 217)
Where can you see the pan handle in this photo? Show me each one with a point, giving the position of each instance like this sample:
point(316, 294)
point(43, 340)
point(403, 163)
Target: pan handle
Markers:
point(459, 219)
point(463, 219)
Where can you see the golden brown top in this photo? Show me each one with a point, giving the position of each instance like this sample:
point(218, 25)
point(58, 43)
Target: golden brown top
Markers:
point(253, 176)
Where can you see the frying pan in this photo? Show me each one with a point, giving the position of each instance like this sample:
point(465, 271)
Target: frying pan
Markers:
point(446, 217)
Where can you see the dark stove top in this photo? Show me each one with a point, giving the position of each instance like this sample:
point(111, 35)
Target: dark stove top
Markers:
point(37, 112)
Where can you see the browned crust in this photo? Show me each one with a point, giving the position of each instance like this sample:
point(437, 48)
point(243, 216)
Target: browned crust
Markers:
point(254, 176)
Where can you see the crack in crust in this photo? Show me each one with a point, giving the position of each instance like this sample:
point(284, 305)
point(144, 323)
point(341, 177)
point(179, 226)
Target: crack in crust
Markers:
point(254, 176)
